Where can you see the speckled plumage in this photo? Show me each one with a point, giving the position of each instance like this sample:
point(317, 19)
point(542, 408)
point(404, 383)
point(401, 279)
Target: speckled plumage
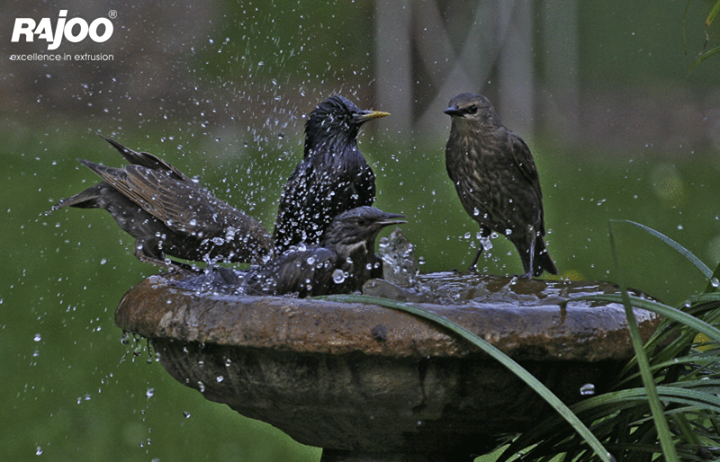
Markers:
point(341, 263)
point(496, 179)
point(332, 178)
point(169, 214)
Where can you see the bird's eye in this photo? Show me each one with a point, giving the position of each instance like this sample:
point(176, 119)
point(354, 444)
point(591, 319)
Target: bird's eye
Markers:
point(472, 109)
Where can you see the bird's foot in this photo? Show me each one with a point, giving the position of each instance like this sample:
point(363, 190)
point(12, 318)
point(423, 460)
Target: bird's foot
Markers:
point(181, 268)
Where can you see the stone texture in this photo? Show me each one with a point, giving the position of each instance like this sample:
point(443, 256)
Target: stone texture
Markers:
point(356, 378)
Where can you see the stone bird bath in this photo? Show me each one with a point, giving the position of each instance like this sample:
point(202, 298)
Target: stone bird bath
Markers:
point(368, 383)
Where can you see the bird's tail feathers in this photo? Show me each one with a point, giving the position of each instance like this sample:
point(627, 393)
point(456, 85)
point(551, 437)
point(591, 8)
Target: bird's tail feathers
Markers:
point(542, 260)
point(84, 200)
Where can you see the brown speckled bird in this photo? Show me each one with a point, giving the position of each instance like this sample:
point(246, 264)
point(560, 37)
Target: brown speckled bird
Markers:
point(497, 181)
point(170, 214)
point(341, 263)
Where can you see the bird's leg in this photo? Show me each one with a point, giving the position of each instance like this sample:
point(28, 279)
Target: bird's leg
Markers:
point(473, 265)
point(145, 257)
point(529, 272)
point(484, 232)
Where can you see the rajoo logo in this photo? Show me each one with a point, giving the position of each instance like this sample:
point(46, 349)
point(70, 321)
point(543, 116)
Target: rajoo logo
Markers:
point(74, 30)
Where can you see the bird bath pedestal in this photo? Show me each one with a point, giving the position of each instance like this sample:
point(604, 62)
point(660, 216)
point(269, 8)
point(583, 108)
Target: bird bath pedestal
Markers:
point(368, 383)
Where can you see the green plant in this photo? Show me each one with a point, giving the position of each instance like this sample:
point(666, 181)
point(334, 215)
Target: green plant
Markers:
point(665, 403)
point(708, 21)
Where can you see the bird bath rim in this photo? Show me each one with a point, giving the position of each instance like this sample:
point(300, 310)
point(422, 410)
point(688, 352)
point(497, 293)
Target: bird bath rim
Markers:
point(363, 379)
point(291, 323)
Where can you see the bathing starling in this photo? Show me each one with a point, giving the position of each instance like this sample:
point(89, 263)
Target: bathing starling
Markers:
point(341, 263)
point(332, 177)
point(497, 181)
point(169, 214)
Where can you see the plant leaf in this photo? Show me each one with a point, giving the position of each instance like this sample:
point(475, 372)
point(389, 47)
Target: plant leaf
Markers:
point(703, 57)
point(714, 12)
point(656, 408)
point(508, 362)
point(675, 245)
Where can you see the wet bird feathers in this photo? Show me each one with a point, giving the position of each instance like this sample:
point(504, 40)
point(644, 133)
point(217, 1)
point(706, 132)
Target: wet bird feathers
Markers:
point(496, 180)
point(340, 263)
point(168, 213)
point(332, 177)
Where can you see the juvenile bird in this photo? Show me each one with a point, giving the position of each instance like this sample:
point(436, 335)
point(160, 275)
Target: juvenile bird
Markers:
point(169, 214)
point(341, 263)
point(332, 177)
point(497, 181)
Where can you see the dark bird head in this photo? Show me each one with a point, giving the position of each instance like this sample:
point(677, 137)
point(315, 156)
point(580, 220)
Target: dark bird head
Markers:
point(335, 120)
point(472, 111)
point(358, 228)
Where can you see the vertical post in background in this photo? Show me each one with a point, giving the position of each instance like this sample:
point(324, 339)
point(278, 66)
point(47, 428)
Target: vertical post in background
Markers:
point(393, 54)
point(561, 102)
point(516, 67)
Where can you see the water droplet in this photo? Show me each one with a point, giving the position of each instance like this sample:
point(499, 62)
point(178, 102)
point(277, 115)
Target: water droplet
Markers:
point(339, 276)
point(714, 282)
point(468, 235)
point(587, 390)
point(186, 414)
point(311, 260)
point(37, 338)
point(150, 392)
point(220, 378)
point(38, 451)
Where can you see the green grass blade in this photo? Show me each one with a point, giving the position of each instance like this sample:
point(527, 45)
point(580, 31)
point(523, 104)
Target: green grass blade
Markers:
point(631, 396)
point(714, 12)
point(713, 283)
point(661, 424)
point(508, 362)
point(675, 245)
point(703, 57)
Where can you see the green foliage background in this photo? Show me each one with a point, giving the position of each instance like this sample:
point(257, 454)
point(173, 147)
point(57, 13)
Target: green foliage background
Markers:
point(70, 390)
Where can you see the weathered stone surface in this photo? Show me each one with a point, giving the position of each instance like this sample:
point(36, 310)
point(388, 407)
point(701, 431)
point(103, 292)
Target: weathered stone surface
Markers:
point(363, 378)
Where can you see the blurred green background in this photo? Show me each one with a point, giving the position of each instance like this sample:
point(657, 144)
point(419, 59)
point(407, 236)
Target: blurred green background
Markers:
point(619, 127)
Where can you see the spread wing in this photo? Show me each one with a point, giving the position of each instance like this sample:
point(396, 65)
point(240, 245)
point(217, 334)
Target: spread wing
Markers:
point(148, 160)
point(174, 202)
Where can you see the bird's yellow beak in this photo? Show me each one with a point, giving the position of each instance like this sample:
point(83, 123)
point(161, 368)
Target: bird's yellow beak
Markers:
point(364, 116)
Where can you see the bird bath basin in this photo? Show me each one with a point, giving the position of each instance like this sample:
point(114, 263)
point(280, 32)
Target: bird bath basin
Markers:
point(368, 383)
